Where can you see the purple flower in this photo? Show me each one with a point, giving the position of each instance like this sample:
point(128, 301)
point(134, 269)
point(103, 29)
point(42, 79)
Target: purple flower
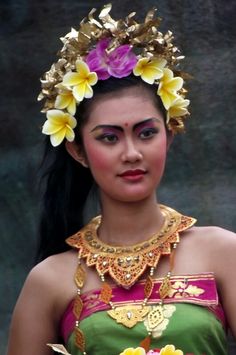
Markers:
point(118, 63)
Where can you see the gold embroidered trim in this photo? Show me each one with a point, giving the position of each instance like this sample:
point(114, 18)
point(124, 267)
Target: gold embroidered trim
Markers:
point(184, 289)
point(158, 319)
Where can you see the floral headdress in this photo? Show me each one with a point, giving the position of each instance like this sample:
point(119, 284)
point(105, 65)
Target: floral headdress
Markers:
point(104, 48)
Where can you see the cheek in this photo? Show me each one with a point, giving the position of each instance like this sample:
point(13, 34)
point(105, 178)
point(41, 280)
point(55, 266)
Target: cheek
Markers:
point(97, 158)
point(159, 155)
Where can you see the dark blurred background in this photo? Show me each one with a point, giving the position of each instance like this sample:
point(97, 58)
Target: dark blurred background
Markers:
point(200, 175)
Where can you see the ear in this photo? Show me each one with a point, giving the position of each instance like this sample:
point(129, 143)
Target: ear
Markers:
point(170, 138)
point(77, 152)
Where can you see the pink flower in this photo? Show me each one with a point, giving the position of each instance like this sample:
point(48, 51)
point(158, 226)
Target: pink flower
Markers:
point(118, 63)
point(153, 352)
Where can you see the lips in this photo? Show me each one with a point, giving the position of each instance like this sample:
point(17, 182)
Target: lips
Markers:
point(136, 172)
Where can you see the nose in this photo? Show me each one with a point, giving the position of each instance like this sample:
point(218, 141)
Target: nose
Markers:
point(131, 153)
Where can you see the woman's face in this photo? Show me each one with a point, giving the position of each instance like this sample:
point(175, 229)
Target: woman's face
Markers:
point(125, 145)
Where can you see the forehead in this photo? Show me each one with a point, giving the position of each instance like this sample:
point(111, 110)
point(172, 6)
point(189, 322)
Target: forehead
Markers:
point(125, 107)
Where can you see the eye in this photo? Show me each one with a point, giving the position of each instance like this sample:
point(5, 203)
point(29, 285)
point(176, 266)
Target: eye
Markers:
point(110, 138)
point(148, 133)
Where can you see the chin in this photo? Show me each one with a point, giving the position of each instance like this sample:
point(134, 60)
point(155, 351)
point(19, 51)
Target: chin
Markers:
point(134, 197)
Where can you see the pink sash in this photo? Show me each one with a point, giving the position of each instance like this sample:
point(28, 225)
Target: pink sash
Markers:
point(199, 289)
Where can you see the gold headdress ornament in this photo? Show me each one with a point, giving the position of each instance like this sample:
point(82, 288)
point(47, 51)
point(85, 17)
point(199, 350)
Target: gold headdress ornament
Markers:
point(102, 48)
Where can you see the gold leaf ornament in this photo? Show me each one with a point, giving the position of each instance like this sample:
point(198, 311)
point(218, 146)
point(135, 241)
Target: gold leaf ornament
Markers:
point(148, 287)
point(105, 11)
point(129, 315)
point(78, 306)
point(106, 293)
point(165, 287)
point(79, 339)
point(80, 276)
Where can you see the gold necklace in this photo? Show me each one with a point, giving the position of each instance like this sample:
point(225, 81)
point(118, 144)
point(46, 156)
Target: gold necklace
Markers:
point(126, 264)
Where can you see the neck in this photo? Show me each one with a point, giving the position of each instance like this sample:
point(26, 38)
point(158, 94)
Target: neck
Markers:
point(128, 223)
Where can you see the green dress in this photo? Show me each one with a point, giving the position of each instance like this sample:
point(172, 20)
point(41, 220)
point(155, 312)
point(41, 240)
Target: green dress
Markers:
point(193, 319)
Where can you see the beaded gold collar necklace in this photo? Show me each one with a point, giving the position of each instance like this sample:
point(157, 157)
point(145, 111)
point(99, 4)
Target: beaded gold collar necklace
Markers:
point(125, 264)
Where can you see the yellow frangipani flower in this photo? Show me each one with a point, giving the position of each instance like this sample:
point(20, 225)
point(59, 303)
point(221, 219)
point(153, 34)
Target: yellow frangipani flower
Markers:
point(65, 100)
point(132, 351)
point(149, 69)
point(170, 350)
point(81, 81)
point(59, 125)
point(178, 108)
point(168, 87)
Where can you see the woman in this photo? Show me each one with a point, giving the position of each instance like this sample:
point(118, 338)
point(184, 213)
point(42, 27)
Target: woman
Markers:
point(141, 273)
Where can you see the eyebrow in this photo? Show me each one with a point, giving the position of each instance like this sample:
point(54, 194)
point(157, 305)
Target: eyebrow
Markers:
point(119, 128)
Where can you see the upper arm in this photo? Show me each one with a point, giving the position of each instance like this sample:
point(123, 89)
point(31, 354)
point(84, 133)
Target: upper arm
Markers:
point(34, 323)
point(225, 265)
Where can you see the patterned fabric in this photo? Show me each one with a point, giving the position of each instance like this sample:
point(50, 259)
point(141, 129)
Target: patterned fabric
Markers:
point(193, 319)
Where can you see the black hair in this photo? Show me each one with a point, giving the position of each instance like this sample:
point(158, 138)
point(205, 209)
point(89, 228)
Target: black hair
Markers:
point(66, 182)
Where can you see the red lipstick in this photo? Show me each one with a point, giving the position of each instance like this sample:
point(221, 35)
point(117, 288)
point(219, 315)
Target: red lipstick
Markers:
point(133, 175)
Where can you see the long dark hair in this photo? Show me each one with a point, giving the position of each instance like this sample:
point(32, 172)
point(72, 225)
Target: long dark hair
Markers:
point(66, 182)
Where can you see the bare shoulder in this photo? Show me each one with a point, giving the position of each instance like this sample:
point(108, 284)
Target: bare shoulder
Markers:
point(47, 291)
point(213, 249)
point(54, 275)
point(201, 249)
point(212, 234)
point(53, 266)
point(49, 286)
point(218, 245)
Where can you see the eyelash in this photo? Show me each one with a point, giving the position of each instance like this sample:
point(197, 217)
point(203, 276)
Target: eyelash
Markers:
point(151, 130)
point(109, 137)
point(106, 136)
